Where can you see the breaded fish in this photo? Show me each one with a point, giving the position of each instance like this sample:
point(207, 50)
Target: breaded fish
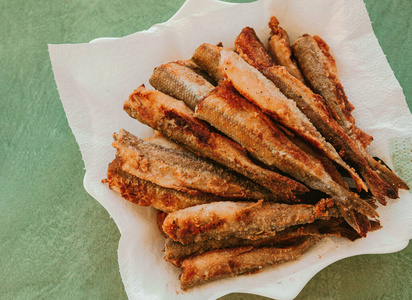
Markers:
point(279, 47)
point(176, 169)
point(319, 69)
point(180, 82)
point(245, 220)
point(177, 122)
point(146, 193)
point(223, 263)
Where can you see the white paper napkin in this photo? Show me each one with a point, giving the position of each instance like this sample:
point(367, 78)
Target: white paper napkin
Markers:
point(94, 80)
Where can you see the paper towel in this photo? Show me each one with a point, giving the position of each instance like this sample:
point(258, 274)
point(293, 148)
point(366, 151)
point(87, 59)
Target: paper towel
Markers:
point(94, 80)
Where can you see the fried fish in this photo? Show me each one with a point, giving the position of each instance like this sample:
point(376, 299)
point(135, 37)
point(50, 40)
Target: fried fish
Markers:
point(179, 170)
point(177, 122)
point(312, 105)
point(223, 263)
point(319, 68)
point(246, 220)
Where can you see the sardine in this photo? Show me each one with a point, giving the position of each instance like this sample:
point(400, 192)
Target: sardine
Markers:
point(177, 122)
point(180, 82)
point(175, 169)
point(252, 50)
point(224, 263)
point(313, 106)
point(246, 124)
point(319, 69)
point(207, 57)
point(245, 220)
point(279, 47)
point(146, 193)
point(176, 252)
point(259, 90)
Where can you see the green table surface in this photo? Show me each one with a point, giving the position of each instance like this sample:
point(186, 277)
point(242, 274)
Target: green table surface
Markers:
point(56, 241)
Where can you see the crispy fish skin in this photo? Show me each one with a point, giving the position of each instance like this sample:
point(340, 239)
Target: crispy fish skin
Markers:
point(246, 220)
point(252, 50)
point(246, 124)
point(176, 252)
point(180, 82)
point(259, 90)
point(207, 57)
point(317, 112)
point(146, 193)
point(223, 263)
point(319, 68)
point(177, 170)
point(279, 47)
point(177, 122)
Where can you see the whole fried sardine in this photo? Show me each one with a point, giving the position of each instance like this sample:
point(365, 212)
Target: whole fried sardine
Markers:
point(246, 124)
point(252, 50)
point(176, 252)
point(207, 57)
point(223, 263)
point(313, 106)
point(146, 193)
point(180, 82)
point(319, 69)
point(177, 170)
point(245, 220)
point(279, 47)
point(177, 122)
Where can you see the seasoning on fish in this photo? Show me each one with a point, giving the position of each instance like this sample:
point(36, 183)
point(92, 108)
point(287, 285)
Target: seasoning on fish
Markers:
point(319, 68)
point(279, 47)
point(223, 263)
point(177, 170)
point(146, 193)
point(180, 82)
point(177, 122)
point(246, 220)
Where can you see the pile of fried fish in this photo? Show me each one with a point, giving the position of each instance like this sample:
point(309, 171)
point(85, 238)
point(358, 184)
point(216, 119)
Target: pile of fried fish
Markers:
point(256, 156)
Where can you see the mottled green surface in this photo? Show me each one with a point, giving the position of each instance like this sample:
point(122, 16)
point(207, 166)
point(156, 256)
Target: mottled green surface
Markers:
point(57, 242)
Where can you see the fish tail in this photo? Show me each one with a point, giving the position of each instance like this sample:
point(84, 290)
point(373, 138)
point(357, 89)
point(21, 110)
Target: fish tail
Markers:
point(355, 211)
point(378, 187)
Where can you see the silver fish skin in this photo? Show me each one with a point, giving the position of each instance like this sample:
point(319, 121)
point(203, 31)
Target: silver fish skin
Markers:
point(180, 82)
point(176, 170)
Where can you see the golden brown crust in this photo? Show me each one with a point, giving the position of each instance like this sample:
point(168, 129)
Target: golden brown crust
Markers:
point(279, 47)
point(145, 193)
point(177, 122)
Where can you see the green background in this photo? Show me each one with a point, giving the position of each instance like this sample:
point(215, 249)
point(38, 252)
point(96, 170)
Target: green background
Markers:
point(56, 241)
